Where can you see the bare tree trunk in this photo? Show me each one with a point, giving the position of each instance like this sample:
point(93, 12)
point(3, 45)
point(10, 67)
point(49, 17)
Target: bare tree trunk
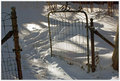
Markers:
point(110, 8)
point(99, 6)
point(91, 6)
point(115, 57)
point(87, 7)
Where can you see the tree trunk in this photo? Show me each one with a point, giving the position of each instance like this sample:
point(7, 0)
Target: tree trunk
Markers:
point(115, 56)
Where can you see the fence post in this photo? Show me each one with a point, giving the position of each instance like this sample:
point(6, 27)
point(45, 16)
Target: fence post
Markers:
point(92, 45)
point(16, 41)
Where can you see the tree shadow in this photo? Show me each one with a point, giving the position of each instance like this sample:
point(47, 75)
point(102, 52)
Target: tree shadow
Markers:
point(67, 36)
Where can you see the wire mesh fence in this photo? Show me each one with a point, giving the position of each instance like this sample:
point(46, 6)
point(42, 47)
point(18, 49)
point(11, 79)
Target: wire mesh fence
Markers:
point(8, 61)
point(68, 36)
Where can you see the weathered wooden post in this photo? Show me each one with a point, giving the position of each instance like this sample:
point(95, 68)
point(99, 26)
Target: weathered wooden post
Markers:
point(16, 41)
point(92, 45)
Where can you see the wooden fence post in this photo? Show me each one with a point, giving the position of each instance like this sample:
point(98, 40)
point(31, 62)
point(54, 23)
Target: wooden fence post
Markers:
point(92, 45)
point(16, 41)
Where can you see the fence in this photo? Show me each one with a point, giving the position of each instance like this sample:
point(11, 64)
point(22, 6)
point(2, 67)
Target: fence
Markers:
point(69, 36)
point(11, 66)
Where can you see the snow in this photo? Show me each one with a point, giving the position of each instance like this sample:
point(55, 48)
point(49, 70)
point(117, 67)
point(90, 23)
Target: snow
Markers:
point(32, 27)
point(68, 64)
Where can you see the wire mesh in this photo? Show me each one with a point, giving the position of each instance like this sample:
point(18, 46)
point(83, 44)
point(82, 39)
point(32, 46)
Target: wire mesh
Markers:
point(68, 34)
point(8, 61)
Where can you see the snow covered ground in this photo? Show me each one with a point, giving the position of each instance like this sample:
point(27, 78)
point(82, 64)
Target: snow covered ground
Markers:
point(34, 41)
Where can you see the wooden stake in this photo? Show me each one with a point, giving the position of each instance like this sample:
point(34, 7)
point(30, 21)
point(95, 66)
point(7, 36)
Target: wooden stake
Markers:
point(92, 45)
point(16, 41)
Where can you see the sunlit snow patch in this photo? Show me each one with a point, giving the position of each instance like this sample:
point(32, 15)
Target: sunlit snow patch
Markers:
point(32, 27)
point(44, 23)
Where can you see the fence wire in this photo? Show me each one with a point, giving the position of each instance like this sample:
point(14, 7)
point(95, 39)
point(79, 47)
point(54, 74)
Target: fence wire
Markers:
point(68, 34)
point(8, 61)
